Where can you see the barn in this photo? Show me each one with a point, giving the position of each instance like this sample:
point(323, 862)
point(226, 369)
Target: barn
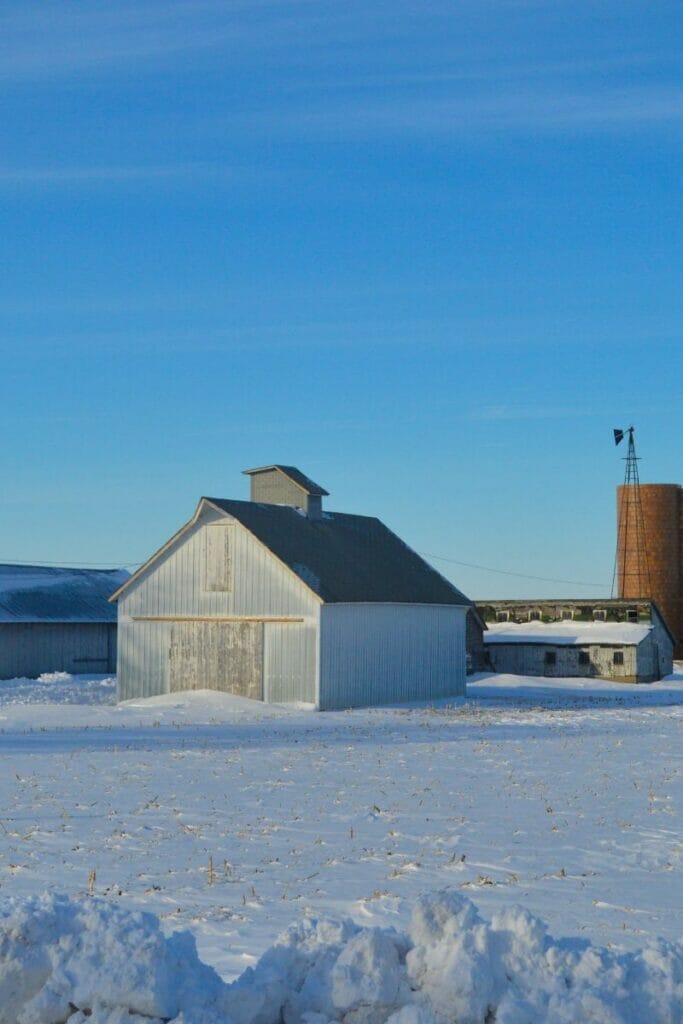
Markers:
point(624, 640)
point(279, 600)
point(54, 619)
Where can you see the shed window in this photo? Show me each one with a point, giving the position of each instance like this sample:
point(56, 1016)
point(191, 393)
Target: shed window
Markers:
point(584, 658)
point(618, 658)
point(218, 558)
point(599, 615)
point(550, 658)
point(631, 614)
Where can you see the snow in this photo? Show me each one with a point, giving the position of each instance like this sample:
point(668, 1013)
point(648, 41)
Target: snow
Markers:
point(86, 959)
point(566, 633)
point(233, 819)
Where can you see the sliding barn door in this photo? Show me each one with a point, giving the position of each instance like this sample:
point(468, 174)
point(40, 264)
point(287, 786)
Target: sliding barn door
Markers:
point(225, 656)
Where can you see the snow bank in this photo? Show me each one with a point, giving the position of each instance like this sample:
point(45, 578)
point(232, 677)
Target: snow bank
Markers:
point(58, 688)
point(72, 961)
point(63, 960)
point(454, 968)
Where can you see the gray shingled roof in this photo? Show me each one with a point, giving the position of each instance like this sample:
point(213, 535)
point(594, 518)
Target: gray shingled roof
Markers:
point(295, 475)
point(34, 593)
point(344, 558)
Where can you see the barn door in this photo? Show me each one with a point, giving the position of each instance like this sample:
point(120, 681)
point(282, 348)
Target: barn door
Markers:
point(225, 656)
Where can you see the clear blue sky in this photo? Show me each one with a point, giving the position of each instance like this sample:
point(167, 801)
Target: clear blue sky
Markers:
point(429, 252)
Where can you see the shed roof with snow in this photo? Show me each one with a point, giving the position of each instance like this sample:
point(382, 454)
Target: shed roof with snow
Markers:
point(36, 593)
point(567, 633)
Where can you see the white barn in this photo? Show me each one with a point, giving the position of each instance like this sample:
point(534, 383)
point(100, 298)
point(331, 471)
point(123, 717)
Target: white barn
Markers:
point(278, 600)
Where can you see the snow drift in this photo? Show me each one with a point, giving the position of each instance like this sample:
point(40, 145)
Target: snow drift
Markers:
point(87, 960)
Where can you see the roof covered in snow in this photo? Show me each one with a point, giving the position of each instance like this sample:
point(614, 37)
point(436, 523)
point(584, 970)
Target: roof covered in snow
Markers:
point(567, 633)
point(344, 558)
point(33, 593)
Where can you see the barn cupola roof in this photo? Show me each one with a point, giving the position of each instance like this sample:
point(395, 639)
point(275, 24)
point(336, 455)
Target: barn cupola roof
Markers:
point(286, 485)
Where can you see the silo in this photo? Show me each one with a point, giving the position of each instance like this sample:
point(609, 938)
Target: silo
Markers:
point(657, 518)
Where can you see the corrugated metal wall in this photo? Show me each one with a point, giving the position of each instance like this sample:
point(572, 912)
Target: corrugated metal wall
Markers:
point(289, 662)
point(29, 649)
point(380, 654)
point(176, 586)
point(655, 653)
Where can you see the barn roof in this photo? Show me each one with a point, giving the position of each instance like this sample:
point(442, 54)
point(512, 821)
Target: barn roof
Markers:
point(295, 475)
point(344, 558)
point(568, 634)
point(34, 593)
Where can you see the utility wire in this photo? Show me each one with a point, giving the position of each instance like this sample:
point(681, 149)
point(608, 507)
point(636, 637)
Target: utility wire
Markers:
point(71, 565)
point(427, 554)
point(504, 572)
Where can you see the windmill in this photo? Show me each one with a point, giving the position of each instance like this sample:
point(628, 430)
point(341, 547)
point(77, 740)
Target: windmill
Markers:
point(631, 567)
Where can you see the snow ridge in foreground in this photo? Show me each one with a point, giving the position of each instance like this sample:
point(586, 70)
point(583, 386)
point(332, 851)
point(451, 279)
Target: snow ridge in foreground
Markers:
point(88, 960)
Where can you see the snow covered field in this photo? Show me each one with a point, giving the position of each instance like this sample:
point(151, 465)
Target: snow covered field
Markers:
point(234, 819)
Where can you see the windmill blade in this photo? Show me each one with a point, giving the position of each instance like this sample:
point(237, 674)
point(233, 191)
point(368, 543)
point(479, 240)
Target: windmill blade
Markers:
point(618, 436)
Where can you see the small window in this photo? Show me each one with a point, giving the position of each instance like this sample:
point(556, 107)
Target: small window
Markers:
point(584, 658)
point(599, 615)
point(535, 615)
point(502, 616)
point(618, 658)
point(567, 614)
point(631, 614)
point(218, 558)
point(550, 658)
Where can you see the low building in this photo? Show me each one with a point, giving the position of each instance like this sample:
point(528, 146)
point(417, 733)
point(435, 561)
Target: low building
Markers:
point(280, 600)
point(477, 657)
point(57, 620)
point(627, 641)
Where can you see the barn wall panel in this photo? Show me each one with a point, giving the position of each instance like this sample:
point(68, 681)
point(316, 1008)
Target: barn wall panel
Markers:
point(226, 656)
point(290, 662)
point(380, 654)
point(29, 649)
point(178, 585)
point(143, 664)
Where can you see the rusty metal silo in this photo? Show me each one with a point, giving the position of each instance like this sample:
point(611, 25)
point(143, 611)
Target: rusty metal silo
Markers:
point(654, 567)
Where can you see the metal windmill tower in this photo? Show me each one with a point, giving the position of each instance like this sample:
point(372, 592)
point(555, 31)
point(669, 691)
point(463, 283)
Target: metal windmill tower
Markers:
point(631, 566)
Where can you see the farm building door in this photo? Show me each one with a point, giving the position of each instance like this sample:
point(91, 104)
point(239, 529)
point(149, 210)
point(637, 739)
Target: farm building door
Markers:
point(225, 656)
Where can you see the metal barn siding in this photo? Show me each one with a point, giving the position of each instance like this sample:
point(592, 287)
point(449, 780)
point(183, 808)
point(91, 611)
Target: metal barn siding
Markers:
point(174, 587)
point(390, 653)
point(31, 648)
point(290, 655)
point(143, 659)
point(656, 653)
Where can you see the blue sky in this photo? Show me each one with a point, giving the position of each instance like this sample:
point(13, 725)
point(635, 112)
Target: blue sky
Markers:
point(429, 252)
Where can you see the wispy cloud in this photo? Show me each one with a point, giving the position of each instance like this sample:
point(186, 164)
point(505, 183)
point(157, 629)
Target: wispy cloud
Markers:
point(523, 110)
point(138, 173)
point(40, 40)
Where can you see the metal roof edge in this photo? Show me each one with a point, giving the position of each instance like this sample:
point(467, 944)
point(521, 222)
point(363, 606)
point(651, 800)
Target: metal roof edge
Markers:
point(159, 552)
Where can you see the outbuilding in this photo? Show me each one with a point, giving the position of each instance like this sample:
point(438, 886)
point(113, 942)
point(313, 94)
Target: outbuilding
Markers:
point(57, 620)
point(624, 640)
point(280, 600)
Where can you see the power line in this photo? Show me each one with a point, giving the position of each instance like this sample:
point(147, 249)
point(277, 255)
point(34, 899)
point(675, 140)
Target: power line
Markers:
point(71, 565)
point(505, 572)
point(427, 554)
